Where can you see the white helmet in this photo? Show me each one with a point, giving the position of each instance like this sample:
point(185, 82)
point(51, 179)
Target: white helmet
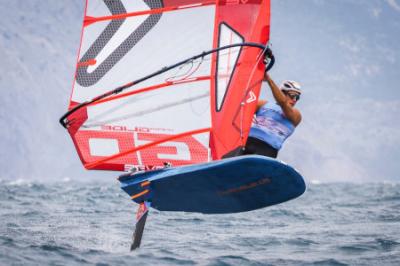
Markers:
point(290, 85)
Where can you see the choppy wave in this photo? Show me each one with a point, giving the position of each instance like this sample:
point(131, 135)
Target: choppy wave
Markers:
point(71, 223)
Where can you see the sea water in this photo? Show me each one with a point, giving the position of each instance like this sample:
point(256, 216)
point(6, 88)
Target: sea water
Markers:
point(76, 223)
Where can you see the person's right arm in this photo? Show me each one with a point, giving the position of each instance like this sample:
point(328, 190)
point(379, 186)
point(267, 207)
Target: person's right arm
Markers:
point(290, 112)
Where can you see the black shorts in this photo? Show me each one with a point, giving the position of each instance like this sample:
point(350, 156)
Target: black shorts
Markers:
point(256, 146)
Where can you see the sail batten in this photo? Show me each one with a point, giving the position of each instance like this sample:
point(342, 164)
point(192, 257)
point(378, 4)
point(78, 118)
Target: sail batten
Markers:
point(88, 20)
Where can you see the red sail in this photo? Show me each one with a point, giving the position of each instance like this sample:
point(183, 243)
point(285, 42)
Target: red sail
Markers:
point(190, 71)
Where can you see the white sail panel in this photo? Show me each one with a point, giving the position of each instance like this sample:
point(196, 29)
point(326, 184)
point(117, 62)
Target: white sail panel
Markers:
point(174, 36)
point(227, 60)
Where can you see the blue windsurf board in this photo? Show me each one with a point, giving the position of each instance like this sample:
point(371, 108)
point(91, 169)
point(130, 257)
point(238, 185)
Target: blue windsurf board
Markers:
point(230, 185)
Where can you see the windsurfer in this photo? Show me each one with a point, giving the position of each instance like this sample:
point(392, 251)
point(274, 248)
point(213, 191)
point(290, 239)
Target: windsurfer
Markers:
point(274, 121)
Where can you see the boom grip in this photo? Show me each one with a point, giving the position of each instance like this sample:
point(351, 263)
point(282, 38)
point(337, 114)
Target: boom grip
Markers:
point(270, 64)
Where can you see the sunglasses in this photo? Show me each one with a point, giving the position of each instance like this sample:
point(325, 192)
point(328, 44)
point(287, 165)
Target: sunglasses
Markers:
point(292, 96)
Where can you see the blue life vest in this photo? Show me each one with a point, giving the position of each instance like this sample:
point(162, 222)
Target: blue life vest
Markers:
point(271, 125)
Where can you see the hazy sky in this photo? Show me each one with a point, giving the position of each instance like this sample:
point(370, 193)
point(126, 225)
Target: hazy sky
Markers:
point(345, 53)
